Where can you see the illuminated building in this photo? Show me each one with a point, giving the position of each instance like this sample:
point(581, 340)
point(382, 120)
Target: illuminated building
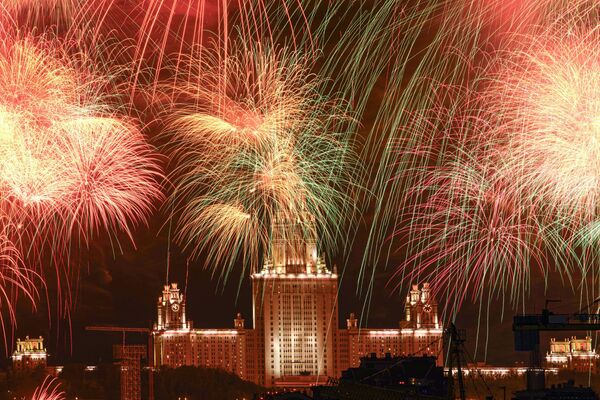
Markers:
point(495, 372)
point(573, 354)
point(176, 343)
point(29, 354)
point(295, 310)
point(419, 333)
point(295, 340)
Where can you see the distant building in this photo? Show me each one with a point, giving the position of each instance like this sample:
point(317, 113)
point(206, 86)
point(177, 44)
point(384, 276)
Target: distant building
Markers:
point(573, 354)
point(497, 372)
point(176, 343)
point(29, 354)
point(295, 340)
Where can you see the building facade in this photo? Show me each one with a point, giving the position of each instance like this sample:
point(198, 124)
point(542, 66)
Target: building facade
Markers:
point(573, 354)
point(295, 339)
point(176, 343)
point(30, 354)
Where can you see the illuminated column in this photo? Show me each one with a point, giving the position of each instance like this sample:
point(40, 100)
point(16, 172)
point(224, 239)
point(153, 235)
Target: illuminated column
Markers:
point(407, 308)
point(425, 293)
point(415, 294)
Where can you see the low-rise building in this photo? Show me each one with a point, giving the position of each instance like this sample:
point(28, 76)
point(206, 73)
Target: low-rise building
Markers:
point(30, 354)
point(573, 354)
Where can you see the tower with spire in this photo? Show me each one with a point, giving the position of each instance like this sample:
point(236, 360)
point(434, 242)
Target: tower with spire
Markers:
point(295, 339)
point(295, 306)
point(171, 309)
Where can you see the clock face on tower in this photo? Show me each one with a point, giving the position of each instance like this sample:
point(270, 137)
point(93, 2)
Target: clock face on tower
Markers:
point(427, 308)
point(175, 307)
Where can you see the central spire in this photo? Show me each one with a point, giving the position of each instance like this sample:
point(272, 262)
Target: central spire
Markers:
point(293, 248)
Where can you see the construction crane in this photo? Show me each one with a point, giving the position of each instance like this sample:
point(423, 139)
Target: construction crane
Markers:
point(122, 329)
point(456, 341)
point(527, 328)
point(131, 355)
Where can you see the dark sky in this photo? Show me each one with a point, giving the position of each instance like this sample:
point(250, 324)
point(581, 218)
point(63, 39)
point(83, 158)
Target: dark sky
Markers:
point(121, 288)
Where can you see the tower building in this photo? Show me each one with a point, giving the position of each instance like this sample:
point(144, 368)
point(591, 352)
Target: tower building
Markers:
point(295, 339)
point(171, 309)
point(295, 308)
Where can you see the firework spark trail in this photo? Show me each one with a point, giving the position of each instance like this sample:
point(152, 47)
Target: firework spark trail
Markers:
point(184, 27)
point(111, 172)
point(259, 143)
point(49, 390)
point(468, 232)
point(465, 232)
point(251, 125)
point(522, 141)
point(60, 17)
point(91, 192)
point(398, 50)
point(16, 280)
point(38, 13)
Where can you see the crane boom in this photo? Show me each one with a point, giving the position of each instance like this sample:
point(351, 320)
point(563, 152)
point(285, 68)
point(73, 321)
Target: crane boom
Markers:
point(116, 329)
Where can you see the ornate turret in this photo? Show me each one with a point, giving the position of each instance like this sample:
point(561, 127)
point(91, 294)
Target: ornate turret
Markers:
point(238, 322)
point(421, 308)
point(351, 322)
point(171, 309)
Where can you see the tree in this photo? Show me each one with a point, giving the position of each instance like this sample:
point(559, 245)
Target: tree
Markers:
point(200, 383)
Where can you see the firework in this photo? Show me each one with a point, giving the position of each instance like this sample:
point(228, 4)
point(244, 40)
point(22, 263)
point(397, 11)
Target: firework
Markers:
point(24, 13)
point(67, 156)
point(111, 173)
point(464, 229)
point(417, 54)
point(469, 233)
point(15, 279)
point(259, 143)
point(497, 176)
point(48, 390)
point(545, 101)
